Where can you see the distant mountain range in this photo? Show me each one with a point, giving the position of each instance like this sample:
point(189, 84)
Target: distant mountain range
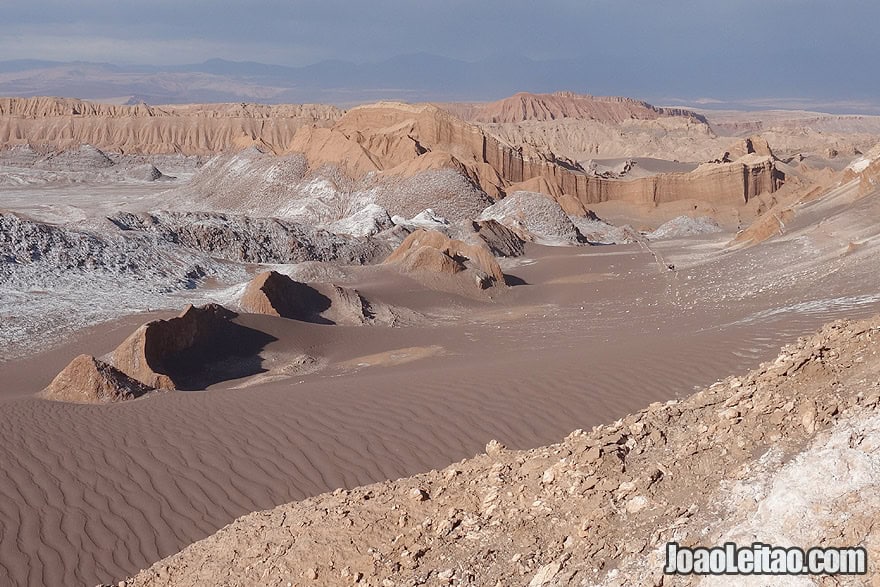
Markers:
point(412, 78)
point(416, 77)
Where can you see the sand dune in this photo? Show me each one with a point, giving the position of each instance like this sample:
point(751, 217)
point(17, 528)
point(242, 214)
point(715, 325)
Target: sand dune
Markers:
point(747, 457)
point(157, 473)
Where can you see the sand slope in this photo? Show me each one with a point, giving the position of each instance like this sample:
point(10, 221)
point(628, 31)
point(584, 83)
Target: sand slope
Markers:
point(598, 507)
point(98, 492)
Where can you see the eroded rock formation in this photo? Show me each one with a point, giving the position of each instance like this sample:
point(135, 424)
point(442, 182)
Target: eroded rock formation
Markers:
point(275, 294)
point(429, 251)
point(501, 240)
point(753, 145)
point(89, 380)
point(526, 106)
point(187, 129)
point(394, 139)
point(161, 353)
point(390, 137)
point(534, 218)
point(252, 240)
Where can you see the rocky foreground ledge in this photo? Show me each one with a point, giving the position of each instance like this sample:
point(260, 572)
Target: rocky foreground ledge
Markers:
point(788, 454)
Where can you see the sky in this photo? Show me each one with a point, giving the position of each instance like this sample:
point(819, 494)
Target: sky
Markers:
point(692, 49)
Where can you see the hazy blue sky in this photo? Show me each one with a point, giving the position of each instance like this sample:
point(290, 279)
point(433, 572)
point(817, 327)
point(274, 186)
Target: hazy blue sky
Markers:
point(688, 48)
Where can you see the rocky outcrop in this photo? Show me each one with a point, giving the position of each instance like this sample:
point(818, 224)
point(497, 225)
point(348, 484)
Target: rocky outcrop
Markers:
point(753, 145)
point(869, 179)
point(502, 241)
point(534, 218)
point(866, 169)
point(766, 226)
point(76, 158)
point(275, 294)
point(429, 251)
point(187, 129)
point(349, 307)
point(88, 380)
point(160, 351)
point(682, 226)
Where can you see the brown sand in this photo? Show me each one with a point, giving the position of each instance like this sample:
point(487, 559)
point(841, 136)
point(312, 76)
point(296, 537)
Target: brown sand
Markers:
point(94, 493)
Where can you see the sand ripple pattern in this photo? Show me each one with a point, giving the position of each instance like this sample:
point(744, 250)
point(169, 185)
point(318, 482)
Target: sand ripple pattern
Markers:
point(95, 493)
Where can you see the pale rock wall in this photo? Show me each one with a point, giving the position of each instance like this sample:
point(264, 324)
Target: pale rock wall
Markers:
point(141, 129)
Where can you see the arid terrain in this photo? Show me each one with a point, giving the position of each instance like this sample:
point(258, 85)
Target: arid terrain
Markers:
point(523, 342)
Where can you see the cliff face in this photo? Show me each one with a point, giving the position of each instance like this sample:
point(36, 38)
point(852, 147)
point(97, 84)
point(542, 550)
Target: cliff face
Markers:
point(141, 129)
point(385, 137)
point(731, 183)
point(389, 137)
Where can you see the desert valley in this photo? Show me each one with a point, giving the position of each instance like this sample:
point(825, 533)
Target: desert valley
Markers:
point(519, 342)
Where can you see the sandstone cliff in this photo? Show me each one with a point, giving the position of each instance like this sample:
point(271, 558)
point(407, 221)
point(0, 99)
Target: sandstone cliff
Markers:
point(388, 137)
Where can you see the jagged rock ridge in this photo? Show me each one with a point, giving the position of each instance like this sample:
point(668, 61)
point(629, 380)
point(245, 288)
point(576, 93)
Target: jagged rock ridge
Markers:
point(188, 129)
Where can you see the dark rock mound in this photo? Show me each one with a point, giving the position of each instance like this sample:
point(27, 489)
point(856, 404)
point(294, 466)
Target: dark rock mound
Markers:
point(200, 347)
point(502, 241)
point(275, 294)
